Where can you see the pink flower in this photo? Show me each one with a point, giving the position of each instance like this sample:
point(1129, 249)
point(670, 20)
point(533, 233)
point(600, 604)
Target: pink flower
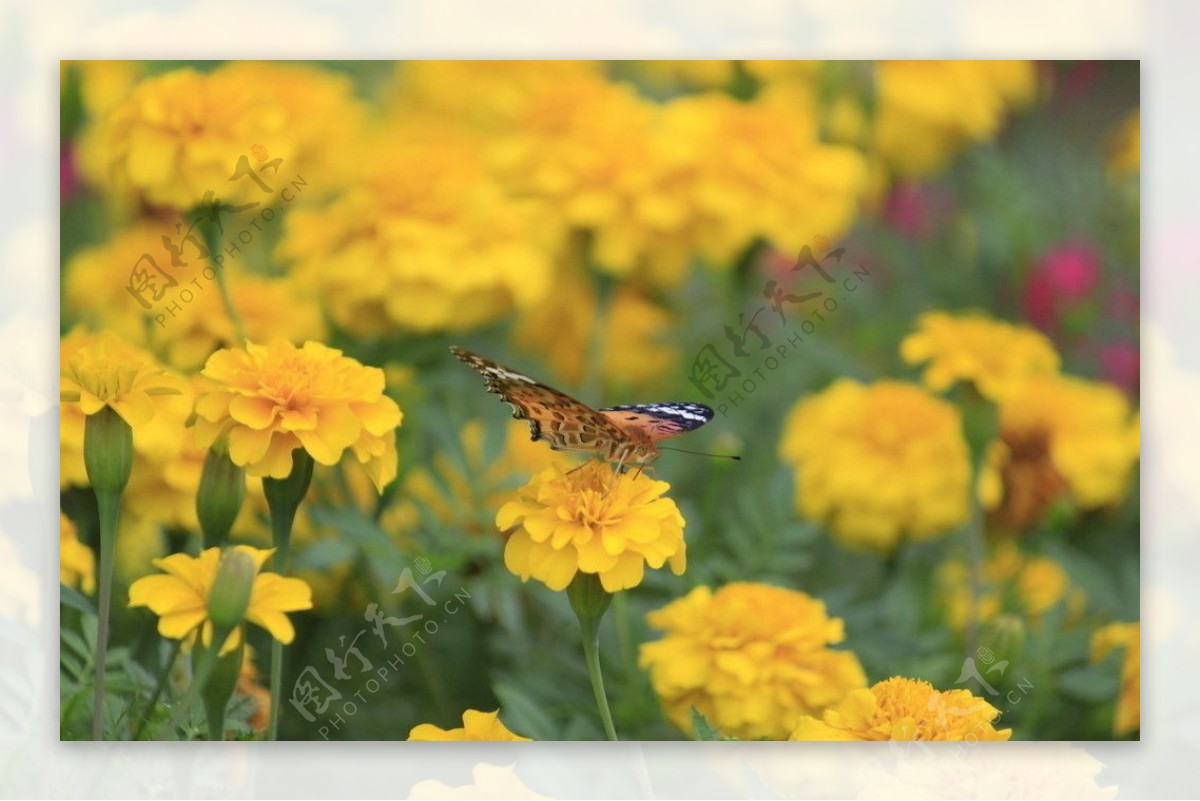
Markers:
point(1065, 276)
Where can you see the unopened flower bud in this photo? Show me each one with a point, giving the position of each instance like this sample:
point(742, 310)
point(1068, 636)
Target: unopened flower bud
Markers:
point(222, 490)
point(231, 589)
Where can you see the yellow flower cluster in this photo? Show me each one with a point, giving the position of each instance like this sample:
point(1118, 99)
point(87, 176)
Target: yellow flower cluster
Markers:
point(878, 463)
point(904, 710)
point(1125, 148)
point(1012, 581)
point(421, 239)
point(929, 110)
point(750, 657)
point(592, 520)
point(272, 399)
point(1128, 717)
point(182, 593)
point(477, 727)
point(995, 357)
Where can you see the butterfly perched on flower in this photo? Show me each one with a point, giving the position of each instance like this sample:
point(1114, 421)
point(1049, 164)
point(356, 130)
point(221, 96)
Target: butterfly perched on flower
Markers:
point(626, 434)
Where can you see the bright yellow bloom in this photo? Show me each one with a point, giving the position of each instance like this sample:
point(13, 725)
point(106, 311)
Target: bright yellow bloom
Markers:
point(1059, 436)
point(95, 291)
point(905, 709)
point(477, 727)
point(996, 357)
point(180, 597)
point(76, 562)
point(750, 657)
point(181, 134)
point(1129, 704)
point(877, 463)
point(104, 83)
point(636, 347)
point(271, 399)
point(592, 520)
point(422, 239)
point(1012, 581)
point(1125, 148)
point(928, 110)
point(106, 371)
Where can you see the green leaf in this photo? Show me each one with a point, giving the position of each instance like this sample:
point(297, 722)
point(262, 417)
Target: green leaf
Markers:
point(702, 729)
point(522, 714)
point(69, 596)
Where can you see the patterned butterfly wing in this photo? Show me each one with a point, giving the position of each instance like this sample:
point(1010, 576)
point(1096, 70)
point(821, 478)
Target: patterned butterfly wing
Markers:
point(563, 422)
point(659, 421)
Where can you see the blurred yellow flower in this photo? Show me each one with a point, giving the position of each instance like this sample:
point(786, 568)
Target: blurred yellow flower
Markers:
point(905, 709)
point(180, 596)
point(750, 657)
point(1012, 581)
point(996, 357)
point(272, 399)
point(107, 371)
point(592, 520)
point(103, 84)
point(926, 111)
point(95, 292)
point(775, 180)
point(636, 348)
point(421, 239)
point(1105, 639)
point(76, 562)
point(1125, 147)
point(181, 134)
point(477, 727)
point(1059, 437)
point(878, 462)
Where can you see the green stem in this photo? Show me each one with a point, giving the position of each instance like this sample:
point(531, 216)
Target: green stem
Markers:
point(283, 499)
point(208, 661)
point(590, 600)
point(109, 505)
point(212, 239)
point(163, 674)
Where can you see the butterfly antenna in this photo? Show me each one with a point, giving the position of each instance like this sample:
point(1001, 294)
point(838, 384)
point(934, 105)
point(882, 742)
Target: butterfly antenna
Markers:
point(702, 453)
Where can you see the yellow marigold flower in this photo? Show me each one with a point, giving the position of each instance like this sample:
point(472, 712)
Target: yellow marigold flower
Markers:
point(106, 371)
point(777, 172)
point(178, 135)
point(750, 657)
point(272, 399)
point(95, 292)
point(593, 520)
point(636, 347)
point(422, 239)
point(996, 357)
point(76, 562)
point(477, 727)
point(1012, 581)
point(1125, 148)
point(104, 83)
point(180, 597)
point(1059, 436)
point(1129, 704)
point(904, 709)
point(878, 462)
point(928, 110)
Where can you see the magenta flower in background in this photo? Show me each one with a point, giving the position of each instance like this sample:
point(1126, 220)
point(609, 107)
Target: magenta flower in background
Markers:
point(1064, 277)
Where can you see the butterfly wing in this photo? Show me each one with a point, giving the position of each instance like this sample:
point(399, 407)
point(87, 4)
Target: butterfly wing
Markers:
point(659, 421)
point(555, 417)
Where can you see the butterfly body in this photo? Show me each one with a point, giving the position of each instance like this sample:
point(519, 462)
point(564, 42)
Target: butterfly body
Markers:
point(622, 434)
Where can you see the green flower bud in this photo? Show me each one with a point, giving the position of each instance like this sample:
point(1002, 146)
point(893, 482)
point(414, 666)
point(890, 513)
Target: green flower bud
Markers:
point(588, 599)
point(1001, 643)
point(107, 451)
point(230, 594)
point(222, 490)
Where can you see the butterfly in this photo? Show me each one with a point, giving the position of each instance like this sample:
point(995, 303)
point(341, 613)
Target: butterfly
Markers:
point(625, 435)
